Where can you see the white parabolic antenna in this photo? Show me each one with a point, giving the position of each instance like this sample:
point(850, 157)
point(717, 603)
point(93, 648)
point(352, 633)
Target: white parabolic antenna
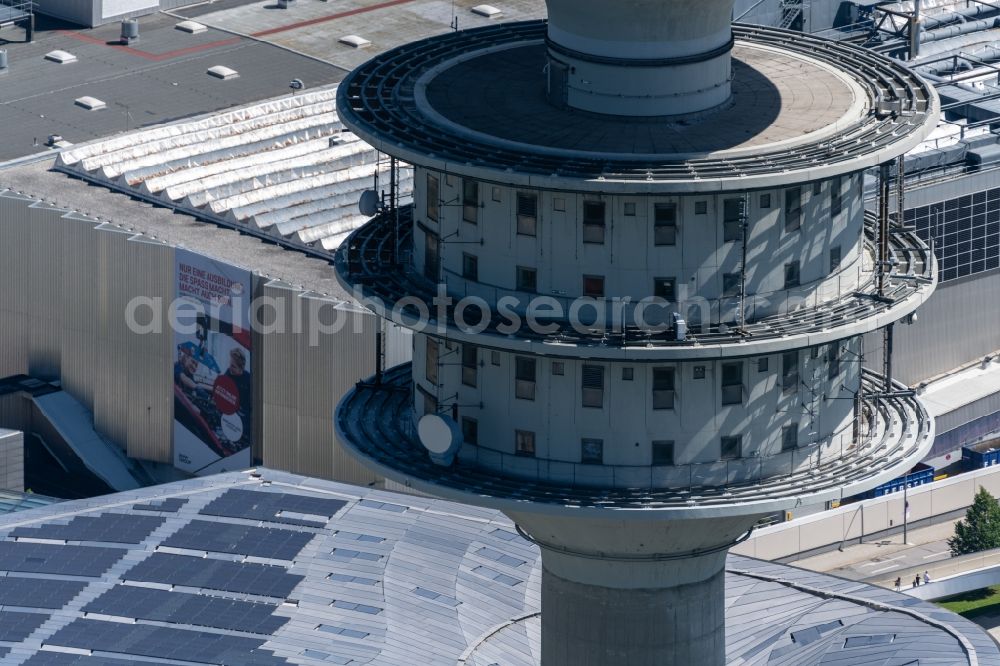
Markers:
point(369, 203)
point(441, 437)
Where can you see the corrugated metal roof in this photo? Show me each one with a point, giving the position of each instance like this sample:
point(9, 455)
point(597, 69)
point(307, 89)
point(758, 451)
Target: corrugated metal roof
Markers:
point(291, 570)
point(285, 167)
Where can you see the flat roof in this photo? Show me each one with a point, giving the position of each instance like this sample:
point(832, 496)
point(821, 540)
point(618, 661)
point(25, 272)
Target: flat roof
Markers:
point(270, 568)
point(159, 78)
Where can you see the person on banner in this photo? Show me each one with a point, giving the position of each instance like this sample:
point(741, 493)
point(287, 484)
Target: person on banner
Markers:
point(199, 350)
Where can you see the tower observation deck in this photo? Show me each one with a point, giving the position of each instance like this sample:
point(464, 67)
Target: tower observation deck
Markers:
point(638, 268)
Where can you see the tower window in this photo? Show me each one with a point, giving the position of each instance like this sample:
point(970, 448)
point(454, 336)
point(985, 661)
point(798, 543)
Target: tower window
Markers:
point(593, 222)
point(527, 279)
point(524, 378)
point(495, 357)
point(628, 374)
point(470, 430)
point(732, 447)
point(792, 274)
point(762, 364)
point(765, 201)
point(789, 437)
point(817, 188)
point(497, 194)
point(433, 197)
point(558, 368)
point(665, 288)
point(470, 364)
point(430, 402)
point(524, 443)
point(431, 365)
point(470, 200)
point(629, 209)
point(592, 451)
point(834, 258)
point(732, 383)
point(593, 286)
point(836, 197)
point(593, 386)
point(730, 284)
point(432, 256)
point(559, 204)
point(663, 452)
point(527, 214)
point(732, 220)
point(833, 360)
point(790, 372)
point(470, 266)
point(701, 208)
point(793, 209)
point(663, 388)
point(665, 224)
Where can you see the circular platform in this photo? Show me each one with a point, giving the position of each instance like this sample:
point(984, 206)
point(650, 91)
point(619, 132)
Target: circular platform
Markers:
point(472, 103)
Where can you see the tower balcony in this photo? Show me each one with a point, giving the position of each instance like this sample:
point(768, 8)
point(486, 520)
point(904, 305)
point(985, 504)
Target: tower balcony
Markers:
point(376, 422)
point(375, 264)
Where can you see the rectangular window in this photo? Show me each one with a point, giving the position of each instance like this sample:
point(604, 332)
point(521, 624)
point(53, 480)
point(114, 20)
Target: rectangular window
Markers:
point(792, 274)
point(665, 224)
point(495, 357)
point(701, 208)
point(559, 204)
point(593, 386)
point(663, 388)
point(524, 378)
point(432, 257)
point(470, 430)
point(730, 284)
point(833, 360)
point(433, 197)
point(470, 266)
point(817, 188)
point(732, 447)
point(558, 368)
point(793, 209)
point(527, 279)
point(527, 214)
point(663, 452)
point(431, 361)
point(790, 372)
point(497, 194)
point(593, 286)
point(665, 288)
point(628, 374)
point(836, 197)
point(629, 209)
point(765, 201)
point(592, 451)
point(593, 222)
point(762, 364)
point(732, 383)
point(470, 200)
point(732, 220)
point(834, 258)
point(789, 437)
point(470, 364)
point(524, 443)
point(430, 402)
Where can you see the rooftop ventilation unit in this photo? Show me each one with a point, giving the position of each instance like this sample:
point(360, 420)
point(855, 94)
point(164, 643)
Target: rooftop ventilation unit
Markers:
point(61, 57)
point(130, 31)
point(90, 103)
point(355, 41)
point(222, 72)
point(3, 61)
point(488, 11)
point(190, 27)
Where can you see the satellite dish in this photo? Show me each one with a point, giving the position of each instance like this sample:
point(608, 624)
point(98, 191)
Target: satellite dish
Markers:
point(441, 436)
point(296, 84)
point(369, 204)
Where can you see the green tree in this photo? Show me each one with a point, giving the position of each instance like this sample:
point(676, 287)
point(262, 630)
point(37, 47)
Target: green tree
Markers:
point(980, 530)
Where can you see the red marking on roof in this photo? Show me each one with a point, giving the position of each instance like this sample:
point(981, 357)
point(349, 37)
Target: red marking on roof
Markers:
point(331, 17)
point(154, 57)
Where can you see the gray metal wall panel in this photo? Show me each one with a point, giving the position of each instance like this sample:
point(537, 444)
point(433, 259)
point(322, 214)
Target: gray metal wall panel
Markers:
point(15, 227)
point(12, 460)
point(279, 385)
point(959, 324)
point(78, 341)
point(150, 361)
point(45, 300)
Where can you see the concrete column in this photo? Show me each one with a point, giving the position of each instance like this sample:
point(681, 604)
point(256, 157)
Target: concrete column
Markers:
point(633, 592)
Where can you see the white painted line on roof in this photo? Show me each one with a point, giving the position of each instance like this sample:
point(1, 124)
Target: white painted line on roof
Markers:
point(943, 552)
point(888, 568)
point(877, 562)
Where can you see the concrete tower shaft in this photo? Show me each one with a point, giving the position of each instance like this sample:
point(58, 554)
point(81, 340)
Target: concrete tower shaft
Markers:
point(640, 57)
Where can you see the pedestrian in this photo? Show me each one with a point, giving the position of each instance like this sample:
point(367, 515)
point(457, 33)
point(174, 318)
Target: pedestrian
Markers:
point(916, 580)
point(899, 582)
point(927, 578)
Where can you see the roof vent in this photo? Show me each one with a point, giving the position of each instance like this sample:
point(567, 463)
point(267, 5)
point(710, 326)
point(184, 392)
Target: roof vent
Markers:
point(488, 11)
point(90, 103)
point(355, 41)
point(61, 57)
point(3, 61)
point(190, 27)
point(130, 31)
point(222, 72)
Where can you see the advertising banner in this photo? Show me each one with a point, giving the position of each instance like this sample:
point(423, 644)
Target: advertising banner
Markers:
point(213, 391)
